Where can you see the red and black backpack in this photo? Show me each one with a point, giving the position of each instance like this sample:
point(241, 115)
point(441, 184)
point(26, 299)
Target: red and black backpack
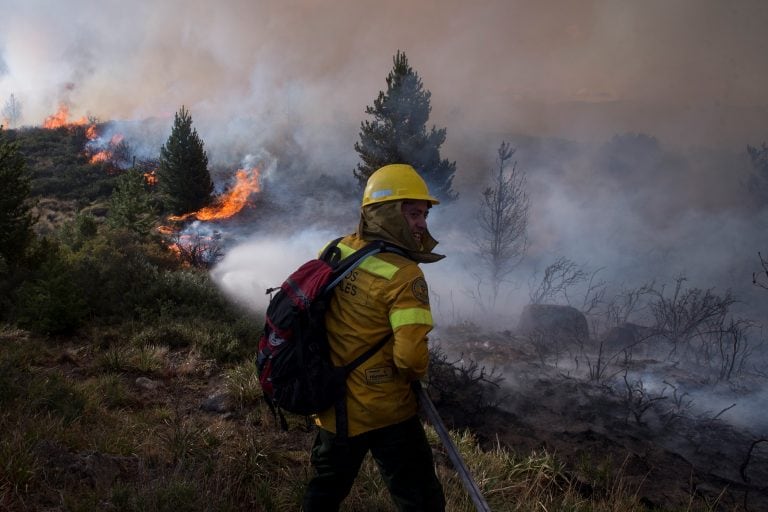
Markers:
point(293, 362)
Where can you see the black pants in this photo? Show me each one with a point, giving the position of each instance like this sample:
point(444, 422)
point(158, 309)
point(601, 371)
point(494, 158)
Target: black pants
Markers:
point(404, 458)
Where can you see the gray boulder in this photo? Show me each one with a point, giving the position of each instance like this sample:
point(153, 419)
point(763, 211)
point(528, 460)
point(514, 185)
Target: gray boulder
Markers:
point(553, 322)
point(628, 336)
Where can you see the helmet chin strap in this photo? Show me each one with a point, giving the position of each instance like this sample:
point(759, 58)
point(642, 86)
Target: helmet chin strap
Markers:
point(385, 221)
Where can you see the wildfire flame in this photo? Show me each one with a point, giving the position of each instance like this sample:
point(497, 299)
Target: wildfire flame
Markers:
point(105, 155)
point(247, 183)
point(150, 177)
point(61, 119)
point(166, 230)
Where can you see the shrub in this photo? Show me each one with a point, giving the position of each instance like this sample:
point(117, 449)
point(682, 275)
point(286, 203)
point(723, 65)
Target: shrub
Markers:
point(185, 293)
point(465, 392)
point(51, 302)
point(113, 273)
point(215, 339)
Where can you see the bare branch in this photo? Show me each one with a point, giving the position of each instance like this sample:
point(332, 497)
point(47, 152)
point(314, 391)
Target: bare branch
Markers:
point(743, 467)
point(757, 277)
point(558, 277)
point(11, 113)
point(688, 312)
point(197, 250)
point(503, 219)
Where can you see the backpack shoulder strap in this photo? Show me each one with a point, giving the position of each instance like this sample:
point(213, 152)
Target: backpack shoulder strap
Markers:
point(331, 253)
point(345, 266)
point(365, 355)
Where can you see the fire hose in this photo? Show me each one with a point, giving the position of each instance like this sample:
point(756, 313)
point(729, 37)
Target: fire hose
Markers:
point(453, 453)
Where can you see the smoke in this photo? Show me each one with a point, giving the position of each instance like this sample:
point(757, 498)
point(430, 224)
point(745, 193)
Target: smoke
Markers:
point(289, 82)
point(647, 220)
point(690, 73)
point(3, 65)
point(252, 267)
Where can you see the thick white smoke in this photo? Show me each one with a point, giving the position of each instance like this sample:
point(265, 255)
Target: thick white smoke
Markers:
point(691, 73)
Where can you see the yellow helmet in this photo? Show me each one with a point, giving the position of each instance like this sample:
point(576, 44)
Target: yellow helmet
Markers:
point(396, 181)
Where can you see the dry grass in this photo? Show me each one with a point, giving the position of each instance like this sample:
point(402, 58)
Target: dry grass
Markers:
point(53, 213)
point(80, 434)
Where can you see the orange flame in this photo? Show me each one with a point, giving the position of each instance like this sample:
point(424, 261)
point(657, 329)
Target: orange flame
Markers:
point(150, 178)
point(104, 155)
point(230, 203)
point(61, 118)
point(175, 249)
point(166, 230)
point(101, 156)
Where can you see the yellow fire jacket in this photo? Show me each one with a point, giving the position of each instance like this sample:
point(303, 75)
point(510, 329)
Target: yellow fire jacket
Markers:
point(386, 296)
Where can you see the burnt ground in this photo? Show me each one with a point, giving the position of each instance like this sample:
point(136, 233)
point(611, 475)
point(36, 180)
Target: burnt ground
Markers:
point(615, 431)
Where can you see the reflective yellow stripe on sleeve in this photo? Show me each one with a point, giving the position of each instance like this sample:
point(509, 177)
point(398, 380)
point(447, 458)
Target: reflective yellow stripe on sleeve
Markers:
point(409, 316)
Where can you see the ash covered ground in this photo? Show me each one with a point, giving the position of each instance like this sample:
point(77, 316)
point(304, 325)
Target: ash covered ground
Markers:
point(662, 428)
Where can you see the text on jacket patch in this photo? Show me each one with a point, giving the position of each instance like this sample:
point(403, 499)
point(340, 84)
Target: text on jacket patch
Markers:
point(348, 286)
point(379, 375)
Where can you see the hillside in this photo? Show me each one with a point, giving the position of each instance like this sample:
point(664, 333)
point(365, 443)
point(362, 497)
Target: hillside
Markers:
point(146, 427)
point(127, 383)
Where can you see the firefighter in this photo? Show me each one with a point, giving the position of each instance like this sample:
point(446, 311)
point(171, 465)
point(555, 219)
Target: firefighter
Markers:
point(386, 296)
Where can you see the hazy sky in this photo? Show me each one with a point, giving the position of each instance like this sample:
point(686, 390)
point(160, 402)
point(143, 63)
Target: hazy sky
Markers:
point(687, 71)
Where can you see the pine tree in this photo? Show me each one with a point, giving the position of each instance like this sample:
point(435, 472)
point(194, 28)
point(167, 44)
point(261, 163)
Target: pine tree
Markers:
point(183, 178)
point(16, 219)
point(130, 206)
point(398, 132)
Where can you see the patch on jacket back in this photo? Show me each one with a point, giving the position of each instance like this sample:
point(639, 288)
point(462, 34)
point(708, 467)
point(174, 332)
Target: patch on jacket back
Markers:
point(379, 375)
point(420, 290)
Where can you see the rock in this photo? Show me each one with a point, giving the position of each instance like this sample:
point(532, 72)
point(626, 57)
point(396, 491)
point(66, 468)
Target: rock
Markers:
point(553, 322)
point(217, 402)
point(625, 335)
point(148, 384)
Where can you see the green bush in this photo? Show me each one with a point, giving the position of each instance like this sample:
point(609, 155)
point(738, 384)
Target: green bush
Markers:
point(223, 346)
point(170, 334)
point(188, 293)
point(51, 303)
point(215, 339)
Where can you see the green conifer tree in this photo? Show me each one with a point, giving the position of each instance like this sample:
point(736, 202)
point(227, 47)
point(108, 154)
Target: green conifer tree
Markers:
point(398, 132)
point(16, 219)
point(130, 205)
point(183, 179)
